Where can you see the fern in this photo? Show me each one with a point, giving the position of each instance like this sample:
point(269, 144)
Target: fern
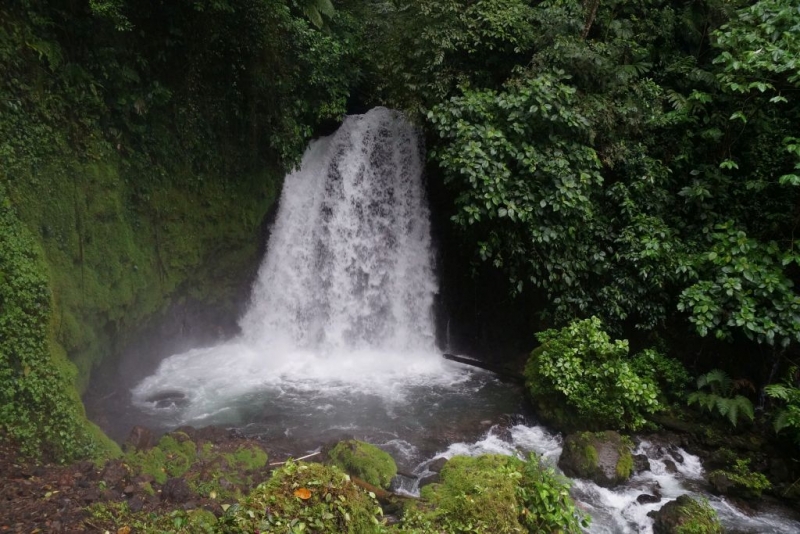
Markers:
point(787, 418)
point(717, 380)
point(719, 399)
point(731, 408)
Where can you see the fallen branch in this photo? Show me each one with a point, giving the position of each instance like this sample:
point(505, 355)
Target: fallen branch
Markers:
point(503, 374)
point(295, 459)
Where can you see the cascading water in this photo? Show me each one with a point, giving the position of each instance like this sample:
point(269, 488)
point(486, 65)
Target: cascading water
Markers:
point(338, 339)
point(350, 264)
point(339, 334)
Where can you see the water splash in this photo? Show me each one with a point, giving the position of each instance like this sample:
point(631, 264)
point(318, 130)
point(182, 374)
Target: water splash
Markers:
point(343, 300)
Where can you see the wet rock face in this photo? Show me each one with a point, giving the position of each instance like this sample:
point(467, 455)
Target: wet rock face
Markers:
point(604, 457)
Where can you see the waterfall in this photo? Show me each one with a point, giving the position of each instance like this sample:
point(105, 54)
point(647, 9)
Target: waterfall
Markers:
point(349, 264)
point(344, 297)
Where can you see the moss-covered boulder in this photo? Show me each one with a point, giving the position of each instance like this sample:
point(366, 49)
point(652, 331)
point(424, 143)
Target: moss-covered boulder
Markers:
point(494, 494)
point(686, 515)
point(306, 497)
point(364, 461)
point(604, 457)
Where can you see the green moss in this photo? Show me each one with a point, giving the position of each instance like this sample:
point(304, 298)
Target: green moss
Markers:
point(696, 517)
point(247, 458)
point(309, 497)
point(625, 465)
point(39, 408)
point(148, 489)
point(475, 491)
point(364, 461)
point(494, 494)
point(172, 457)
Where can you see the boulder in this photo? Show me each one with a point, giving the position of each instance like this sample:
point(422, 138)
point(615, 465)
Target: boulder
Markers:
point(685, 514)
point(604, 457)
point(364, 461)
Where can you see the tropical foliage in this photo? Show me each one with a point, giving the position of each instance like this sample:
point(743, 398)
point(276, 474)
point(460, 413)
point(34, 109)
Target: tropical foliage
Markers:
point(581, 367)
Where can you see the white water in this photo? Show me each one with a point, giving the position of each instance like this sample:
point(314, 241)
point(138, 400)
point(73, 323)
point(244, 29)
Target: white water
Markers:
point(616, 511)
point(343, 300)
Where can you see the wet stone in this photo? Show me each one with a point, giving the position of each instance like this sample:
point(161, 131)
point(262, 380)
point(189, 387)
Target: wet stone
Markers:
point(176, 490)
point(640, 463)
point(430, 479)
point(168, 399)
point(670, 466)
point(645, 498)
point(135, 504)
point(437, 465)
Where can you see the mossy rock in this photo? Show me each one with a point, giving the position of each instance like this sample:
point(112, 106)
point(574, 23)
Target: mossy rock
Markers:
point(473, 491)
point(494, 494)
point(306, 497)
point(604, 457)
point(364, 461)
point(686, 515)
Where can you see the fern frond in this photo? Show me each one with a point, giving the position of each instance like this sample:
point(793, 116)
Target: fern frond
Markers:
point(677, 100)
point(778, 391)
point(695, 398)
point(782, 420)
point(731, 408)
point(717, 381)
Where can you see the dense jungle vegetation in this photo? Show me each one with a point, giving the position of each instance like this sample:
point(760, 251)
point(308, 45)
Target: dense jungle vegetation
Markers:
point(633, 161)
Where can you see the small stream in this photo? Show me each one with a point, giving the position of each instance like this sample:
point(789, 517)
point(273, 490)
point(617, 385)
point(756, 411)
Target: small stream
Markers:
point(617, 511)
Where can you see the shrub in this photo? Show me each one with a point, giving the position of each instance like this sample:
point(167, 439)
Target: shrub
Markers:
point(547, 505)
point(670, 374)
point(579, 367)
point(720, 397)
